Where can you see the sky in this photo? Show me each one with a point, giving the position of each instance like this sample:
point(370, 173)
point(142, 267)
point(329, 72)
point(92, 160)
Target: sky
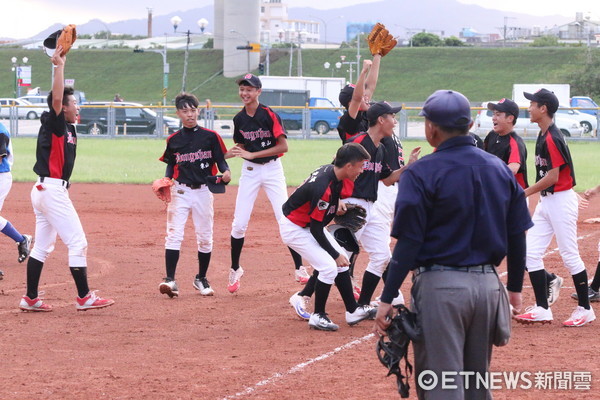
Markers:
point(25, 18)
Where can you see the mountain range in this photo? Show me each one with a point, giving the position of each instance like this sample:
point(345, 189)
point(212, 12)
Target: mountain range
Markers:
point(442, 17)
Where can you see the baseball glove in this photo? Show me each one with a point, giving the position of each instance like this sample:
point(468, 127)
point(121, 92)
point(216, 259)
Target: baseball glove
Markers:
point(67, 38)
point(401, 331)
point(353, 219)
point(162, 189)
point(380, 40)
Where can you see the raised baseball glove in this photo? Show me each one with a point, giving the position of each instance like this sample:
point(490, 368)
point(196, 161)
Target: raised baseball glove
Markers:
point(67, 38)
point(380, 40)
point(353, 219)
point(162, 189)
point(402, 330)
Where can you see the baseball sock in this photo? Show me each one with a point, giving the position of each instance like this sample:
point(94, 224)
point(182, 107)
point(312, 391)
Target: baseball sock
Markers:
point(369, 284)
point(12, 233)
point(540, 287)
point(203, 261)
point(80, 277)
point(596, 282)
point(581, 287)
point(309, 288)
point(34, 271)
point(321, 295)
point(236, 251)
point(171, 259)
point(297, 258)
point(344, 285)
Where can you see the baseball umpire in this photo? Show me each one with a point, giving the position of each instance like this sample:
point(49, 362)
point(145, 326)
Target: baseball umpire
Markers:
point(458, 209)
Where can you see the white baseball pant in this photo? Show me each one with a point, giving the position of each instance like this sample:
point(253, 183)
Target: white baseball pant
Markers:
point(555, 214)
point(55, 214)
point(374, 236)
point(255, 176)
point(304, 243)
point(5, 185)
point(183, 201)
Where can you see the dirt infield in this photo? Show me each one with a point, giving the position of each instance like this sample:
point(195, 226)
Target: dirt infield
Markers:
point(244, 346)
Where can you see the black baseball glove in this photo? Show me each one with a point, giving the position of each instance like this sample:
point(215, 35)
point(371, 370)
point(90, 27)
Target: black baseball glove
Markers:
point(353, 219)
point(401, 331)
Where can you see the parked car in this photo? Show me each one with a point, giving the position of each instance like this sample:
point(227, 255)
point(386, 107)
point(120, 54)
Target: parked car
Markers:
point(585, 102)
point(24, 108)
point(588, 122)
point(130, 118)
point(568, 125)
point(39, 101)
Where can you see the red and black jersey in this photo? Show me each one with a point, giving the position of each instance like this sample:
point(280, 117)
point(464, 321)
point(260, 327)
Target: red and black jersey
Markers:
point(349, 126)
point(365, 186)
point(394, 154)
point(551, 151)
point(195, 153)
point(56, 147)
point(258, 132)
point(317, 198)
point(509, 148)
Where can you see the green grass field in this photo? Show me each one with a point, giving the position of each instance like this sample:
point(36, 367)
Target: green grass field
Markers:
point(407, 74)
point(136, 160)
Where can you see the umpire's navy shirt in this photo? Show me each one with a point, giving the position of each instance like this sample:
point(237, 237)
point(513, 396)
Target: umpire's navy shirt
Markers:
point(461, 204)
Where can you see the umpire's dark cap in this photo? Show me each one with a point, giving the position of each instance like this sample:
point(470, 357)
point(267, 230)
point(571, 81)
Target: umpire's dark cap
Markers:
point(346, 95)
point(381, 108)
point(544, 97)
point(506, 106)
point(447, 108)
point(250, 80)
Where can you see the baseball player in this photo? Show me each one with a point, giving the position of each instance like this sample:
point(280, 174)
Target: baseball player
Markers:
point(457, 212)
point(504, 143)
point(306, 214)
point(260, 140)
point(555, 214)
point(54, 211)
point(193, 155)
point(594, 289)
point(373, 236)
point(356, 98)
point(6, 161)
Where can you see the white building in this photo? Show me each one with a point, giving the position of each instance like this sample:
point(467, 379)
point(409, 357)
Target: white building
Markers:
point(277, 27)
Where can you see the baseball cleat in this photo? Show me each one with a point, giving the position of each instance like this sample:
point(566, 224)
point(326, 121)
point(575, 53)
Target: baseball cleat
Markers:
point(92, 301)
point(321, 322)
point(554, 289)
point(592, 295)
point(395, 301)
point(534, 315)
point(301, 275)
point(1, 275)
point(580, 317)
point(300, 304)
point(24, 247)
point(36, 304)
point(202, 285)
point(169, 287)
point(360, 314)
point(234, 279)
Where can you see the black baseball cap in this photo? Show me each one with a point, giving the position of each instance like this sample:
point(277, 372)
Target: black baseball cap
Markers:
point(447, 108)
point(216, 184)
point(506, 106)
point(346, 95)
point(250, 80)
point(50, 42)
point(544, 97)
point(381, 108)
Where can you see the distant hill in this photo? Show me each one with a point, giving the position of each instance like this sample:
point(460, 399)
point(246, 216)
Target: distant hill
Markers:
point(401, 17)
